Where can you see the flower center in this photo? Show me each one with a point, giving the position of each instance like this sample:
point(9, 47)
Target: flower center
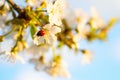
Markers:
point(41, 33)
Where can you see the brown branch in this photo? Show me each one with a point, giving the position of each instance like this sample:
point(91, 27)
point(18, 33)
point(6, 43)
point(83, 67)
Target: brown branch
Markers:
point(21, 12)
point(15, 6)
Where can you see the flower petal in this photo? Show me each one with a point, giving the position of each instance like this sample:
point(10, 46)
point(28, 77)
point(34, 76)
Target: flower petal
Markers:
point(55, 29)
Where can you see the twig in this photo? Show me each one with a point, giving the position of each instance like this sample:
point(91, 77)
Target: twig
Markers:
point(21, 12)
point(15, 6)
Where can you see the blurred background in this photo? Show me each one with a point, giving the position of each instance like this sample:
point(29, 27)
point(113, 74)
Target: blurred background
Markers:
point(106, 63)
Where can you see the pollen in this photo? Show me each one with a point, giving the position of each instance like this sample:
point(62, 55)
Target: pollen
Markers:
point(41, 33)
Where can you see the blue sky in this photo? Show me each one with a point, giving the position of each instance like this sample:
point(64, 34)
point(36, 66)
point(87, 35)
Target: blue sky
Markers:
point(106, 63)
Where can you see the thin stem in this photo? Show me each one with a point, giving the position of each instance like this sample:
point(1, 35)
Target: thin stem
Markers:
point(6, 34)
point(54, 52)
point(41, 10)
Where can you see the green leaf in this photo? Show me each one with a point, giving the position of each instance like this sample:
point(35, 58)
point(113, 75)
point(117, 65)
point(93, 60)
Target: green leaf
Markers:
point(33, 30)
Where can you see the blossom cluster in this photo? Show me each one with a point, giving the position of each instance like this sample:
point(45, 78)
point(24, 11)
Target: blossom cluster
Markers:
point(47, 25)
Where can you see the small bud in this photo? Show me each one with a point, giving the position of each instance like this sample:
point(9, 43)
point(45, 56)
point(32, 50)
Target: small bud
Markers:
point(1, 38)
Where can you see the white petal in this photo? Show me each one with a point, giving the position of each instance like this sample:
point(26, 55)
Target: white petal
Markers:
point(54, 13)
point(55, 29)
point(47, 27)
point(52, 29)
point(50, 7)
point(39, 40)
point(55, 19)
point(37, 50)
point(77, 37)
point(51, 38)
point(6, 45)
point(94, 12)
point(20, 58)
point(87, 57)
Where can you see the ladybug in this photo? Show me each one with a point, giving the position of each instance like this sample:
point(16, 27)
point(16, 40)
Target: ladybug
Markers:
point(41, 33)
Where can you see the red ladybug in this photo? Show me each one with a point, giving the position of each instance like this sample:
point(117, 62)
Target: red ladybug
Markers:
point(41, 33)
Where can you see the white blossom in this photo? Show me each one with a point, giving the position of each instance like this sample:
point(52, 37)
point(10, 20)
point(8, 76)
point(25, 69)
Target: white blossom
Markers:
point(58, 69)
point(3, 16)
point(39, 65)
point(34, 2)
point(96, 20)
point(6, 45)
point(46, 35)
point(71, 20)
point(5, 51)
point(55, 12)
point(82, 19)
point(37, 50)
point(11, 57)
point(87, 57)
point(6, 7)
point(31, 2)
